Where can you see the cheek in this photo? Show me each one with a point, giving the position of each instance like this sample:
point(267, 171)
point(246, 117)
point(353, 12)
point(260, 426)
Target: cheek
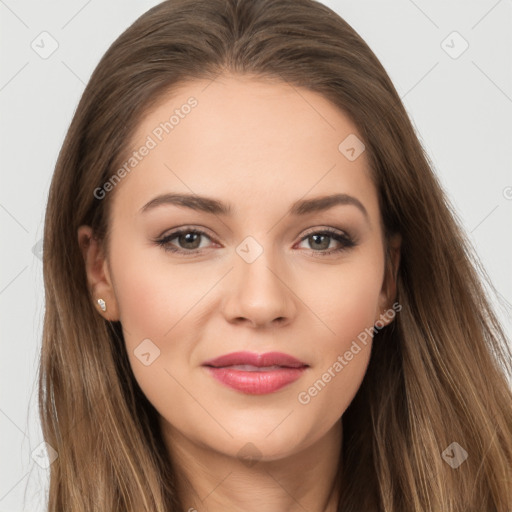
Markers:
point(343, 351)
point(151, 296)
point(331, 389)
point(146, 304)
point(347, 300)
point(157, 302)
point(153, 303)
point(353, 304)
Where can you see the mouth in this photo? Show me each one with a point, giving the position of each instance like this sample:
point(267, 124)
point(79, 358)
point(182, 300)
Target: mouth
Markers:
point(252, 368)
point(255, 374)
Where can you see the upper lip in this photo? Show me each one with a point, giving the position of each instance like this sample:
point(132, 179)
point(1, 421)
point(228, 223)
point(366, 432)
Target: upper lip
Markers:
point(254, 359)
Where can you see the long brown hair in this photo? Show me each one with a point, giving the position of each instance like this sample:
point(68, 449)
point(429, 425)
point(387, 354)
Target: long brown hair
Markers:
point(437, 374)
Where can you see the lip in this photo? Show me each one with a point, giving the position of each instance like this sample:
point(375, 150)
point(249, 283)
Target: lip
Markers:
point(254, 359)
point(280, 370)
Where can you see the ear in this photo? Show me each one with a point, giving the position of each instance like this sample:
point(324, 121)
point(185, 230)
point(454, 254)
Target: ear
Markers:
point(388, 292)
point(98, 274)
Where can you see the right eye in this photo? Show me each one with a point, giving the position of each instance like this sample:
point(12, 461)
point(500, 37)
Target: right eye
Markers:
point(188, 238)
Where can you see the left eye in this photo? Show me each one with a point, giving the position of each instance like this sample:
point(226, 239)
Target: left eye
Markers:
point(318, 240)
point(189, 241)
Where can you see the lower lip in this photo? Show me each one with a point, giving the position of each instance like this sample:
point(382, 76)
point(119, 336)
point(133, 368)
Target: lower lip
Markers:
point(254, 382)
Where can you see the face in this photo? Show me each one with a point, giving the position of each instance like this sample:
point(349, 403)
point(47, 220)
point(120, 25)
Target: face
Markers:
point(259, 268)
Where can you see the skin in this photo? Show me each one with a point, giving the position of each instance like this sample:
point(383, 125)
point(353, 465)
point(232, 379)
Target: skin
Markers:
point(259, 146)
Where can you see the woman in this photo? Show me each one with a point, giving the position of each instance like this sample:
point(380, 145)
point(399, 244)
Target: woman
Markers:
point(257, 295)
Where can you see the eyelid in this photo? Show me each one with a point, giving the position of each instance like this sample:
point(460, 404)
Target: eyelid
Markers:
point(188, 227)
point(326, 229)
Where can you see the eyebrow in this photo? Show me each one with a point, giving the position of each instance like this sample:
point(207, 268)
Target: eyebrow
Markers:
point(213, 206)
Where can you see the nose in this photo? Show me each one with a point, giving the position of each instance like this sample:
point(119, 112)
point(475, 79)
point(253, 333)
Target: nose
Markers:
point(258, 294)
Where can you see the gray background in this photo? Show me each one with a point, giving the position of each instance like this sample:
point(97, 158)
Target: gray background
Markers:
point(461, 106)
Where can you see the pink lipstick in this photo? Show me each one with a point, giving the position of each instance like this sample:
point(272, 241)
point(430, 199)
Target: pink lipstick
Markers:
point(255, 374)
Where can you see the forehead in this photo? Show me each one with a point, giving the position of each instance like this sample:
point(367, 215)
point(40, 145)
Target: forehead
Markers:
point(249, 141)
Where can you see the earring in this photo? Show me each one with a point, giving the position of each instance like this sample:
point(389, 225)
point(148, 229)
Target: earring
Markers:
point(102, 304)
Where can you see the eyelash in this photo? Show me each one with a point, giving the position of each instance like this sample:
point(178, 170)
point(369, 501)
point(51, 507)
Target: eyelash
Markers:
point(345, 240)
